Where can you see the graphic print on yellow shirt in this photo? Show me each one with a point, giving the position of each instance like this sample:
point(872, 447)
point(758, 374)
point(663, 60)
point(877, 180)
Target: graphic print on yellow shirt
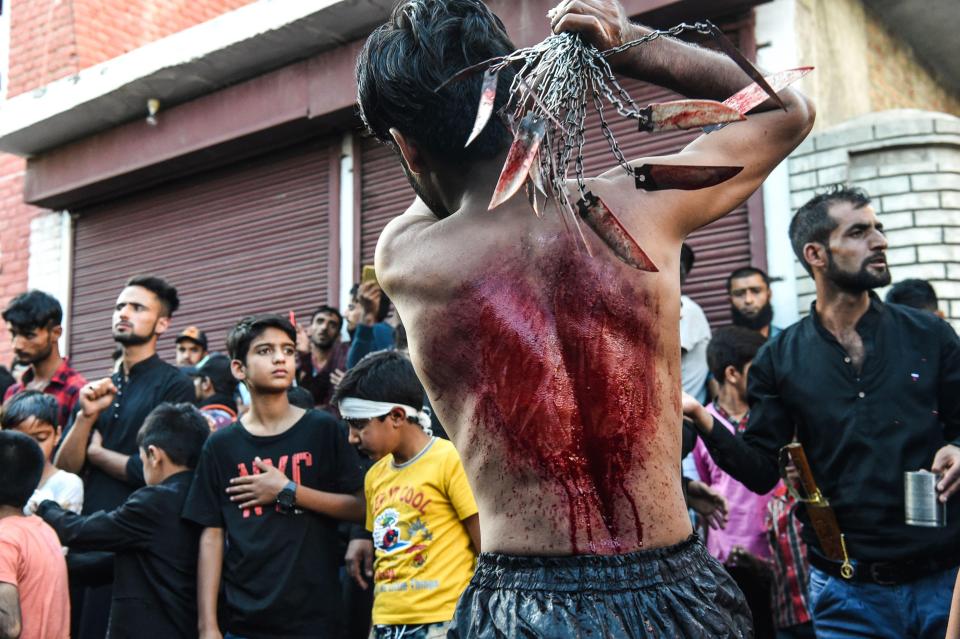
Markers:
point(424, 558)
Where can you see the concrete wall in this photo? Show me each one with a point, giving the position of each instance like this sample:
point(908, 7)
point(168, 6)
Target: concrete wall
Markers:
point(909, 163)
point(861, 66)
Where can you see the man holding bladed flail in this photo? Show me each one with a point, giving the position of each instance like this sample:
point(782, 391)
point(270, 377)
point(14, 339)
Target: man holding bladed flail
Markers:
point(871, 392)
point(542, 305)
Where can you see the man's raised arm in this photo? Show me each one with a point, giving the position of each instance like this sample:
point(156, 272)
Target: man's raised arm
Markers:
point(757, 144)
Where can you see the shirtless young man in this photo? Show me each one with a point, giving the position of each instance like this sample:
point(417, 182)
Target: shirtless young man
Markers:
point(557, 374)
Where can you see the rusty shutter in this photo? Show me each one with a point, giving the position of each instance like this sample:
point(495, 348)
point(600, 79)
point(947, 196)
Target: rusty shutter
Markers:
point(384, 193)
point(721, 247)
point(246, 238)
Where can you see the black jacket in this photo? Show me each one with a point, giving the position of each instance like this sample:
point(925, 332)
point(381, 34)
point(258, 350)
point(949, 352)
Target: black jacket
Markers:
point(155, 573)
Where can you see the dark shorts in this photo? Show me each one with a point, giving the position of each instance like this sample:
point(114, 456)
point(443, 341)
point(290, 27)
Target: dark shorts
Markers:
point(674, 592)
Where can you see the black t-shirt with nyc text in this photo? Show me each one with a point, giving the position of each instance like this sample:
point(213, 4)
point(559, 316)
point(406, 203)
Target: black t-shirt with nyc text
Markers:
point(279, 570)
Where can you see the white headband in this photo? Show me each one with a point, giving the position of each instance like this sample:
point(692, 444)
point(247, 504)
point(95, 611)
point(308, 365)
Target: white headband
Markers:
point(355, 408)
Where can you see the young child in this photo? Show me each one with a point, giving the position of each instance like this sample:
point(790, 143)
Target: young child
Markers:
point(419, 506)
point(35, 414)
point(34, 598)
point(155, 577)
point(742, 544)
point(268, 491)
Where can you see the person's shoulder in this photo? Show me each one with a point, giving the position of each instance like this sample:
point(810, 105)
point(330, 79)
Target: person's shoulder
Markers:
point(224, 436)
point(66, 479)
point(320, 418)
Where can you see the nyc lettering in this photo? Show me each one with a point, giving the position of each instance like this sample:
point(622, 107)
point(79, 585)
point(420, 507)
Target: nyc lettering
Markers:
point(304, 459)
point(406, 494)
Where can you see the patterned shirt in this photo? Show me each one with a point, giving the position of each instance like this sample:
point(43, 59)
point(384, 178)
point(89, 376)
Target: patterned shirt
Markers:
point(64, 385)
point(791, 573)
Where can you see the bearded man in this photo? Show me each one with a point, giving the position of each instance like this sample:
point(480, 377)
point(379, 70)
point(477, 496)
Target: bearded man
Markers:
point(750, 294)
point(102, 438)
point(871, 390)
point(34, 319)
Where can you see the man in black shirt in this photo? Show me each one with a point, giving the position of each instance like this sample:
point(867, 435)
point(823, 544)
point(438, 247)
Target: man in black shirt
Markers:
point(101, 441)
point(871, 391)
point(155, 573)
point(273, 486)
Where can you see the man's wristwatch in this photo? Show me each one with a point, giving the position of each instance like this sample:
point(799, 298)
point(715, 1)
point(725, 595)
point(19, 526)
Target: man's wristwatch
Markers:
point(287, 498)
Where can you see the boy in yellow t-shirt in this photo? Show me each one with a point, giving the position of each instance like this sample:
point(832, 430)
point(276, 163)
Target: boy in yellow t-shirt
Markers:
point(420, 509)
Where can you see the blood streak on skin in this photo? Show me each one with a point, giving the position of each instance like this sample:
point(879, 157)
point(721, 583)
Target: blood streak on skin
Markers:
point(563, 376)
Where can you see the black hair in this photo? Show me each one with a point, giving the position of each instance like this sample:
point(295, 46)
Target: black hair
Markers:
point(914, 293)
point(32, 310)
point(384, 376)
point(424, 43)
point(732, 346)
point(250, 328)
point(747, 271)
point(160, 287)
point(179, 430)
point(300, 397)
point(21, 467)
point(27, 404)
point(6, 380)
point(332, 310)
point(812, 222)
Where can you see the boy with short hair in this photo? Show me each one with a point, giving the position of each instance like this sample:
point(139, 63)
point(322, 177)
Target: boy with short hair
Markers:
point(34, 598)
point(272, 486)
point(35, 414)
point(154, 590)
point(420, 508)
point(742, 544)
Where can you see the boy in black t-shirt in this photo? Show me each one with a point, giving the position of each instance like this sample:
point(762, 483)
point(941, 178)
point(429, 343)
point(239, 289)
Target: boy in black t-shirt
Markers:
point(268, 490)
point(155, 570)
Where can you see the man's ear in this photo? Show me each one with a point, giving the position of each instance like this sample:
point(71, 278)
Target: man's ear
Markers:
point(398, 416)
point(163, 324)
point(410, 151)
point(815, 254)
point(56, 332)
point(730, 374)
point(239, 370)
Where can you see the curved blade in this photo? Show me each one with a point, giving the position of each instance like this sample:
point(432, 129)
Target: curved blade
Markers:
point(734, 54)
point(606, 225)
point(519, 159)
point(658, 177)
point(686, 114)
point(488, 94)
point(753, 94)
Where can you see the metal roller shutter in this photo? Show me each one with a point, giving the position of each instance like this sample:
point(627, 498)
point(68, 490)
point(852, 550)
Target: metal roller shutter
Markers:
point(720, 247)
point(246, 238)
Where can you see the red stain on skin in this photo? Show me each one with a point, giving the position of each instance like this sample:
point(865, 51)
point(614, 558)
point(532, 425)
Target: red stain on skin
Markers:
point(563, 375)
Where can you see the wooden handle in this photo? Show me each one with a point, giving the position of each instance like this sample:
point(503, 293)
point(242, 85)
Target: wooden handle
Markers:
point(799, 458)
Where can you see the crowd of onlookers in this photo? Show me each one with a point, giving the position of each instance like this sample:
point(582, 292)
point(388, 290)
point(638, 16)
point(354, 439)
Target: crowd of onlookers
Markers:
point(132, 505)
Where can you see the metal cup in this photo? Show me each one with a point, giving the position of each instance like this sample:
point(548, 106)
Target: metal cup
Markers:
point(921, 506)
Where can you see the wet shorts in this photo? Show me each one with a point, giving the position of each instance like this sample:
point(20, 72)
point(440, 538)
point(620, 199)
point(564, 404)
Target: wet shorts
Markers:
point(673, 592)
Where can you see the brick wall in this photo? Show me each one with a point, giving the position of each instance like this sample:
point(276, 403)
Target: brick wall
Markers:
point(15, 219)
point(53, 39)
point(909, 163)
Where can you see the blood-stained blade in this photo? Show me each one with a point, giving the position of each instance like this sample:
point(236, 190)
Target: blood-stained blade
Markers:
point(685, 114)
point(734, 53)
point(658, 177)
point(535, 176)
point(488, 94)
point(753, 95)
point(606, 225)
point(522, 152)
point(532, 197)
point(463, 73)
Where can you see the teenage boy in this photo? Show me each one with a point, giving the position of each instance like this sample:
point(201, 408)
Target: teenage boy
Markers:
point(155, 577)
point(34, 599)
point(742, 544)
point(35, 414)
point(419, 506)
point(270, 532)
point(34, 320)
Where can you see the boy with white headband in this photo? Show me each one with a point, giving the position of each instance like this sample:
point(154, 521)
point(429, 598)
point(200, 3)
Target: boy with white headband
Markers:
point(421, 511)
